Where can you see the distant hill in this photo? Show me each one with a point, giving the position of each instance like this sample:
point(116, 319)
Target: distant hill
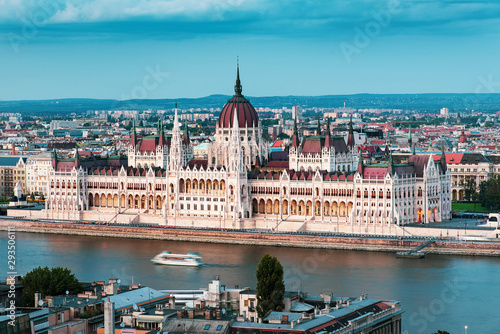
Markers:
point(422, 102)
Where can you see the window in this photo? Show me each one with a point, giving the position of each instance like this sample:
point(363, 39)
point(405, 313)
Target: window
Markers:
point(207, 327)
point(219, 327)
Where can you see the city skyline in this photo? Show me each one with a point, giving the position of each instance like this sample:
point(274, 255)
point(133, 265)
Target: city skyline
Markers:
point(181, 49)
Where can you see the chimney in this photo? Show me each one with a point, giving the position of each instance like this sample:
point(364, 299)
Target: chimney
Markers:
point(109, 317)
point(197, 306)
point(179, 314)
point(327, 297)
point(208, 314)
point(284, 319)
point(292, 323)
point(218, 314)
point(202, 304)
point(171, 302)
point(191, 314)
point(38, 297)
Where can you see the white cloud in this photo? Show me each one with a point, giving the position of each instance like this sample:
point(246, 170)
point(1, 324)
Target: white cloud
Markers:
point(308, 12)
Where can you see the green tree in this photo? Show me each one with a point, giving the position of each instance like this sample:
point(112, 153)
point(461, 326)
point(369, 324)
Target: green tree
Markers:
point(270, 286)
point(469, 188)
point(441, 332)
point(489, 193)
point(283, 136)
point(49, 282)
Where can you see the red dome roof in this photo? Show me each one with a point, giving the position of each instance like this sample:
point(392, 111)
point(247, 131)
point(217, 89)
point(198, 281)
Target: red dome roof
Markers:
point(463, 138)
point(247, 116)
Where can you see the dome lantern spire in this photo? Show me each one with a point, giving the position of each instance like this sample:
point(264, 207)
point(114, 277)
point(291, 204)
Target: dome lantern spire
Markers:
point(237, 87)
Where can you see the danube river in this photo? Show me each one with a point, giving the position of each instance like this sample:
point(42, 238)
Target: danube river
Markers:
point(438, 292)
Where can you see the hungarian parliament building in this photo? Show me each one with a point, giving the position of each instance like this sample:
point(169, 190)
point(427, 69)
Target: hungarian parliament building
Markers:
point(324, 186)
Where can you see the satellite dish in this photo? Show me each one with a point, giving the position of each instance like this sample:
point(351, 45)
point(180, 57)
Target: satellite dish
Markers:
point(40, 303)
point(67, 292)
point(135, 307)
point(119, 281)
point(122, 324)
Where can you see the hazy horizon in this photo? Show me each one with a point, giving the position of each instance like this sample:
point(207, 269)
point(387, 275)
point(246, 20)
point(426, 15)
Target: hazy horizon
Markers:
point(186, 49)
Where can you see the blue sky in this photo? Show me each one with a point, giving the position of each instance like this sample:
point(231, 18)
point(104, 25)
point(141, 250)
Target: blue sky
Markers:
point(187, 48)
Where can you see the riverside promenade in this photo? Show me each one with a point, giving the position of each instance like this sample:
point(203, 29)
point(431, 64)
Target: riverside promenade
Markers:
point(321, 240)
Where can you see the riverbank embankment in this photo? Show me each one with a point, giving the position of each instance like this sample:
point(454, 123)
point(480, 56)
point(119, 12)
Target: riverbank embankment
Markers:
point(264, 239)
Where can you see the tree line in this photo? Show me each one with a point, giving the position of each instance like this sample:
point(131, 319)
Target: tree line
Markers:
point(488, 192)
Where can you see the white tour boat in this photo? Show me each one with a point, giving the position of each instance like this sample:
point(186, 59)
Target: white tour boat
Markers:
point(189, 259)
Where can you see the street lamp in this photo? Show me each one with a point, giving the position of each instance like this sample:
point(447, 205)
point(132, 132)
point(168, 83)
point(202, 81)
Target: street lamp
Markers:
point(465, 329)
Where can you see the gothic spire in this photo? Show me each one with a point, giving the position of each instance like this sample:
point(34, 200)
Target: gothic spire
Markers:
point(318, 130)
point(409, 136)
point(327, 137)
point(237, 87)
point(390, 164)
point(134, 134)
point(295, 135)
point(350, 137)
point(443, 159)
point(361, 165)
point(54, 159)
point(77, 158)
point(185, 138)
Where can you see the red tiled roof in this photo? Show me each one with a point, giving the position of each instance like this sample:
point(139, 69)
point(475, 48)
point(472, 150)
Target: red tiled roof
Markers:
point(278, 143)
point(374, 172)
point(276, 165)
point(451, 158)
point(312, 146)
point(148, 145)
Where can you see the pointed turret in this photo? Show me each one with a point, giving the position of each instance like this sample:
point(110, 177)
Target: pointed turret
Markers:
point(257, 162)
point(77, 159)
point(185, 138)
point(442, 160)
point(318, 129)
point(350, 137)
point(133, 141)
point(390, 164)
point(361, 165)
point(54, 159)
point(328, 138)
point(175, 144)
point(409, 136)
point(295, 135)
point(161, 133)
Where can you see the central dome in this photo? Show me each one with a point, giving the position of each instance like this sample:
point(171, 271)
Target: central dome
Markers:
point(247, 116)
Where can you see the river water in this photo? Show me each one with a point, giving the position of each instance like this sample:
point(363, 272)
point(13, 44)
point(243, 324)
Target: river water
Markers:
point(438, 292)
